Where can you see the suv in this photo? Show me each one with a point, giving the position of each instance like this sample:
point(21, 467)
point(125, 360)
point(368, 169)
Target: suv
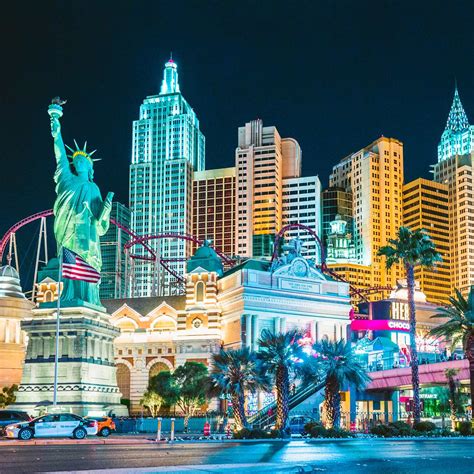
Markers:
point(60, 424)
point(8, 417)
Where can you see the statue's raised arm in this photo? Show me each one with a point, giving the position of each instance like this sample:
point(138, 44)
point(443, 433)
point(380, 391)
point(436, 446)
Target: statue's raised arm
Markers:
point(55, 111)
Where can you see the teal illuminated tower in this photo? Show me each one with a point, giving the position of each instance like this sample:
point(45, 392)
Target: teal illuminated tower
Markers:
point(167, 147)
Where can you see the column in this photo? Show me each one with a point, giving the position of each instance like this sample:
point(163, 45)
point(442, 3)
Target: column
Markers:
point(7, 331)
point(254, 332)
point(248, 330)
point(314, 330)
point(282, 325)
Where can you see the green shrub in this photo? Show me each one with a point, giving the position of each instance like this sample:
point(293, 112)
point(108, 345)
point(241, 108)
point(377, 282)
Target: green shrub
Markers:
point(257, 433)
point(395, 429)
point(317, 430)
point(424, 426)
point(465, 428)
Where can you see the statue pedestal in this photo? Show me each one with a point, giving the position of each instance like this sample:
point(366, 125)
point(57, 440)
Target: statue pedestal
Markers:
point(86, 372)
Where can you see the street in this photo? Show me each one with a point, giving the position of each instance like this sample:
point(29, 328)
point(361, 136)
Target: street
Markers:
point(355, 456)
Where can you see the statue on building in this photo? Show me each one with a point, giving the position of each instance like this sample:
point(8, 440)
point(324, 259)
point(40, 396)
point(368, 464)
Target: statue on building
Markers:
point(81, 216)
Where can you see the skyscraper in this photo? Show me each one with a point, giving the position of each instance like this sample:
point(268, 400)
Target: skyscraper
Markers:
point(301, 204)
point(374, 176)
point(214, 208)
point(262, 160)
point(113, 283)
point(167, 147)
point(455, 169)
point(425, 206)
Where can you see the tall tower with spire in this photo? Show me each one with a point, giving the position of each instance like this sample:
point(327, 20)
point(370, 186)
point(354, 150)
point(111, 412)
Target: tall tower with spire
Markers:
point(167, 147)
point(455, 169)
point(458, 135)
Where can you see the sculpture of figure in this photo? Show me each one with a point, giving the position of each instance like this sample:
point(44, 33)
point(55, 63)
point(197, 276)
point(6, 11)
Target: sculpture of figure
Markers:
point(81, 216)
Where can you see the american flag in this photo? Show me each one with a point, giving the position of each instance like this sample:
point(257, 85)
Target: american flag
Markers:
point(76, 268)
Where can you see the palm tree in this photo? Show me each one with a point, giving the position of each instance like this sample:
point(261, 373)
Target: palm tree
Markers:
point(281, 354)
point(341, 367)
point(234, 373)
point(411, 249)
point(452, 386)
point(459, 327)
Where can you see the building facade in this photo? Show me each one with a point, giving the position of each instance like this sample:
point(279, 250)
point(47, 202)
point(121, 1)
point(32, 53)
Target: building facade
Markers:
point(214, 197)
point(223, 309)
point(301, 204)
point(335, 202)
point(425, 206)
point(14, 308)
point(374, 176)
point(168, 147)
point(113, 283)
point(455, 169)
point(262, 160)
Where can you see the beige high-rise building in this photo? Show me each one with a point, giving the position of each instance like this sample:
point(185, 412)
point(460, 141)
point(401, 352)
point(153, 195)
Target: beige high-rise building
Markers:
point(374, 176)
point(262, 159)
point(455, 169)
point(425, 206)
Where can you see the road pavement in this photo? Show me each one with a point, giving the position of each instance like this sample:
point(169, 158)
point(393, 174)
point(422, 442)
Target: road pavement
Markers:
point(355, 456)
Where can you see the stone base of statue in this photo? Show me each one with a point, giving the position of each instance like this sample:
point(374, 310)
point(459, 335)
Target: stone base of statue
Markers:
point(86, 372)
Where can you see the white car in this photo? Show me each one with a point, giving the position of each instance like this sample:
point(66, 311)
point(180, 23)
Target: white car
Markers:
point(48, 426)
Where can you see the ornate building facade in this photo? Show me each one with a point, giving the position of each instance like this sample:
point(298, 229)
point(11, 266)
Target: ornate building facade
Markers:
point(223, 309)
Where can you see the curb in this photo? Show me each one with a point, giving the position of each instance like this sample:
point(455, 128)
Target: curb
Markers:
point(57, 442)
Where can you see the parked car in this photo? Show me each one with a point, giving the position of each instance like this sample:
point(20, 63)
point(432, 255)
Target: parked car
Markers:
point(296, 424)
point(47, 426)
point(7, 417)
point(105, 425)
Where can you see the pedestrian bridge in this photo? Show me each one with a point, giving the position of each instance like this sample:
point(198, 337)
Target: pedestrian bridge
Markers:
point(430, 374)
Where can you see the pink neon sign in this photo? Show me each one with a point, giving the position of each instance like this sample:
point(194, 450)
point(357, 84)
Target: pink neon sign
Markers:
point(380, 325)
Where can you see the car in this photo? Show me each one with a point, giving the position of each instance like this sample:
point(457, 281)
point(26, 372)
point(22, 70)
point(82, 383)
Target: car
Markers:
point(295, 423)
point(52, 425)
point(7, 417)
point(105, 425)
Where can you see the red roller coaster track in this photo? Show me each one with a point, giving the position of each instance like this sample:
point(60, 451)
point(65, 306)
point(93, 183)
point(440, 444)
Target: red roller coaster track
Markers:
point(143, 241)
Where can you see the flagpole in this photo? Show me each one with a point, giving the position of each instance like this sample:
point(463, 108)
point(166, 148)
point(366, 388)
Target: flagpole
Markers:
point(58, 309)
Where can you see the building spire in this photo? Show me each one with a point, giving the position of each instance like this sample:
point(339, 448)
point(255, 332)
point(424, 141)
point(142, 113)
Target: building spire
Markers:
point(170, 84)
point(457, 118)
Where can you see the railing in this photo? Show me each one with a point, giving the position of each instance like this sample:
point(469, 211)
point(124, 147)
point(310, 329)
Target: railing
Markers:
point(267, 415)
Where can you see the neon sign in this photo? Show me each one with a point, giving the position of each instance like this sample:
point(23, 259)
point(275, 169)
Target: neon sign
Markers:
point(379, 325)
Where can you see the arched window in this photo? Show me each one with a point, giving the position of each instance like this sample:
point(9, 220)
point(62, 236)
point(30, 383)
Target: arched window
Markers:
point(123, 380)
point(156, 369)
point(200, 291)
point(48, 296)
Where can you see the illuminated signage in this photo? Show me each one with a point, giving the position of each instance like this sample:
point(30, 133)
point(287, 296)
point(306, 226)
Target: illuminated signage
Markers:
point(379, 325)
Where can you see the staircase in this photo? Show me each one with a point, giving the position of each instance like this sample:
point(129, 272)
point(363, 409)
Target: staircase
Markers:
point(261, 419)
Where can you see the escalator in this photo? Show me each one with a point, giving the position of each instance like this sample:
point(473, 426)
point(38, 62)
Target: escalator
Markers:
point(267, 415)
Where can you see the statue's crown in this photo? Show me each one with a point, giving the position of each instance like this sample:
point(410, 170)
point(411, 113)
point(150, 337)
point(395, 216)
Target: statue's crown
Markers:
point(81, 152)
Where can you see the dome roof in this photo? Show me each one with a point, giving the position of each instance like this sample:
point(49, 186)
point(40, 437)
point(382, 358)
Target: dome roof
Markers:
point(206, 258)
point(10, 283)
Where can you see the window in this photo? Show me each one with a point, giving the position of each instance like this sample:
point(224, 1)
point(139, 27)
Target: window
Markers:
point(200, 291)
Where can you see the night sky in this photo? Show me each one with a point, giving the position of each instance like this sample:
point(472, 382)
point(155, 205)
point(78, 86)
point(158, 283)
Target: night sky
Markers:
point(335, 75)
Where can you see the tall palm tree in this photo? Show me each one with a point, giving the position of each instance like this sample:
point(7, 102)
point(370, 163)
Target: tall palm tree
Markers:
point(341, 367)
point(452, 386)
point(281, 354)
point(411, 249)
point(459, 327)
point(235, 373)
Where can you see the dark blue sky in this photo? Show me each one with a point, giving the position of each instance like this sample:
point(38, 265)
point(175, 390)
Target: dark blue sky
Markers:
point(335, 75)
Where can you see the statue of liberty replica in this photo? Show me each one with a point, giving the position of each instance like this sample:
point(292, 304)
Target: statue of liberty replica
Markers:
point(69, 362)
point(81, 216)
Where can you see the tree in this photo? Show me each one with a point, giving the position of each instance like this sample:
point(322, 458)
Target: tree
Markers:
point(152, 401)
point(234, 373)
point(459, 327)
point(452, 386)
point(191, 381)
point(340, 367)
point(281, 354)
point(411, 249)
point(8, 396)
